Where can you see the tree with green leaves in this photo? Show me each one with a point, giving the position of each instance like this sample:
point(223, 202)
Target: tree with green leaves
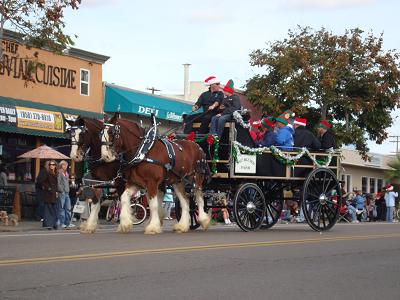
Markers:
point(394, 173)
point(316, 73)
point(40, 23)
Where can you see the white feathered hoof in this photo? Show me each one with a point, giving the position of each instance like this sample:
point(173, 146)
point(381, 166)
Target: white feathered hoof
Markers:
point(205, 223)
point(152, 229)
point(179, 228)
point(86, 228)
point(125, 227)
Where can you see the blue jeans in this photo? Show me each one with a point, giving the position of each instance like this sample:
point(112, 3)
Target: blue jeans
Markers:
point(218, 124)
point(353, 212)
point(64, 209)
point(389, 213)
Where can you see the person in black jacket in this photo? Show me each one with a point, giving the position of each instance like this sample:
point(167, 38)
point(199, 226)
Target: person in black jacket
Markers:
point(205, 101)
point(304, 137)
point(327, 138)
point(48, 184)
point(230, 104)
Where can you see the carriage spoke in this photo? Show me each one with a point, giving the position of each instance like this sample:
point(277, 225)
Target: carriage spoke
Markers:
point(328, 184)
point(323, 215)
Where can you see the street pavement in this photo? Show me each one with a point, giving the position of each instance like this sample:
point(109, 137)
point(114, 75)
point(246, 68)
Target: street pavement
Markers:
point(289, 261)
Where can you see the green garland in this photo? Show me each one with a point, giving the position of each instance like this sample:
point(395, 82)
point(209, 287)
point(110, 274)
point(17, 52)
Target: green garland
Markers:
point(215, 143)
point(287, 159)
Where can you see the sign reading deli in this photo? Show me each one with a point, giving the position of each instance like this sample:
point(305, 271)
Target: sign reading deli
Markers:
point(39, 119)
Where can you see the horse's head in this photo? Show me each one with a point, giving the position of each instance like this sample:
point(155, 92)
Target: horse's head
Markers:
point(119, 136)
point(84, 134)
point(110, 139)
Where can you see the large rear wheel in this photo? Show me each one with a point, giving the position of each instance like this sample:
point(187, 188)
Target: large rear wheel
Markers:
point(321, 199)
point(249, 207)
point(274, 204)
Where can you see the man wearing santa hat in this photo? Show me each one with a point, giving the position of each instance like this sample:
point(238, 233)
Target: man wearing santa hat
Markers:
point(205, 101)
point(303, 137)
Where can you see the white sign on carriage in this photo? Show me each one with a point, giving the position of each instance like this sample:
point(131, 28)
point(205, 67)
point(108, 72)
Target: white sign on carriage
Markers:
point(245, 163)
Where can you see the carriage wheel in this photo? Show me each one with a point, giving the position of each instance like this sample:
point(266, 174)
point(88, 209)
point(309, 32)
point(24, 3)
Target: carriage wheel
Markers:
point(193, 212)
point(272, 213)
point(249, 207)
point(321, 199)
point(274, 206)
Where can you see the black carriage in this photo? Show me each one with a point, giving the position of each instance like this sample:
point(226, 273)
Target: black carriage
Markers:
point(257, 181)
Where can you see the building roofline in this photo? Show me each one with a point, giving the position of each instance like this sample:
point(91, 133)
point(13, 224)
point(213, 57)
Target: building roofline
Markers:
point(72, 52)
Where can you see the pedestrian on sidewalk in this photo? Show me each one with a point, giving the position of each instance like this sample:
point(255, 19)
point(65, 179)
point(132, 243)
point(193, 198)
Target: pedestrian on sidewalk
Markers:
point(168, 201)
point(3, 176)
point(48, 185)
point(64, 200)
point(390, 196)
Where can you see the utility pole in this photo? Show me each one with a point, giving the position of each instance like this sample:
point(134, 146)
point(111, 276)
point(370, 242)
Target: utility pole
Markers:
point(153, 89)
point(397, 141)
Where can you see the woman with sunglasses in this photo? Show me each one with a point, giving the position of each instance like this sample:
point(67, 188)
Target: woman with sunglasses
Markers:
point(48, 184)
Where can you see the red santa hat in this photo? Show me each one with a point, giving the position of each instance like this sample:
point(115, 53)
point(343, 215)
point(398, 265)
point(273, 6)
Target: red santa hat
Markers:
point(389, 187)
point(211, 80)
point(256, 124)
point(300, 121)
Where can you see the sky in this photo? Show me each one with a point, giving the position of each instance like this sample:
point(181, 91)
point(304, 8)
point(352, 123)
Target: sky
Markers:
point(148, 41)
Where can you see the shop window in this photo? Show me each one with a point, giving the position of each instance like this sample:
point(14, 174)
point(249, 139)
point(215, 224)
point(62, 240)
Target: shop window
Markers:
point(348, 183)
point(22, 141)
point(346, 179)
point(380, 184)
point(85, 80)
point(372, 182)
point(364, 184)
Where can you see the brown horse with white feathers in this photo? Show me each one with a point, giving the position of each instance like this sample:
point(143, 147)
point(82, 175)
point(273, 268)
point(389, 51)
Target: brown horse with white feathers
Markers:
point(123, 137)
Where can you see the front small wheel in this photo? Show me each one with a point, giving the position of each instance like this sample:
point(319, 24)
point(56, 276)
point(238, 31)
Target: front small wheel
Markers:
point(249, 207)
point(139, 213)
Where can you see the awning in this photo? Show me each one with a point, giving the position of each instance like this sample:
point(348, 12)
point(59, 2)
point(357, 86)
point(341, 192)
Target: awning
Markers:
point(34, 118)
point(131, 101)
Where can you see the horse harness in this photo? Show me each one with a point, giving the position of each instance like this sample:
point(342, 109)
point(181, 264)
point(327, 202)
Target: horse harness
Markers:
point(146, 145)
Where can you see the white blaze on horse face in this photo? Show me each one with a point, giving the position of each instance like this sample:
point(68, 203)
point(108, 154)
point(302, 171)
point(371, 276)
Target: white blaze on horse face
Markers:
point(106, 151)
point(76, 154)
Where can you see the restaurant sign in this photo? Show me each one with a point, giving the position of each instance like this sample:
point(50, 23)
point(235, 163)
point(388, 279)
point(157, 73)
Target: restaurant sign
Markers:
point(39, 119)
point(8, 114)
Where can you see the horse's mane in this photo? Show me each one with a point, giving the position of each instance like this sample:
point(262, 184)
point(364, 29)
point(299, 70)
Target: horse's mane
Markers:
point(92, 123)
point(128, 124)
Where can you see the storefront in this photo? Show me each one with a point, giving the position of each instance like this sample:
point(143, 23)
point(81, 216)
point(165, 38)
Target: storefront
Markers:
point(39, 90)
point(367, 176)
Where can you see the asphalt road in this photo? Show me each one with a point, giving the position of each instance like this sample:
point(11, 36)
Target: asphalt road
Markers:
point(352, 261)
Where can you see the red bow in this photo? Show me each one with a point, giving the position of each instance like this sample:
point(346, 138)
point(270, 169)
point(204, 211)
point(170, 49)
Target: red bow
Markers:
point(210, 139)
point(191, 136)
